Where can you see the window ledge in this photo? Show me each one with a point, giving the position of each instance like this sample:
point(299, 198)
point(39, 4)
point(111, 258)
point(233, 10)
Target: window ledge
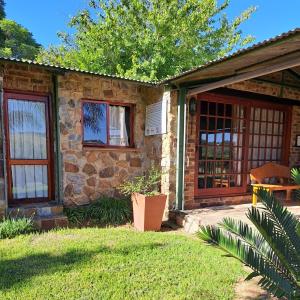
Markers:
point(117, 149)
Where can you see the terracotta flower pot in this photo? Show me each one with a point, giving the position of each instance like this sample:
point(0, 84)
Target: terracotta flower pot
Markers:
point(148, 211)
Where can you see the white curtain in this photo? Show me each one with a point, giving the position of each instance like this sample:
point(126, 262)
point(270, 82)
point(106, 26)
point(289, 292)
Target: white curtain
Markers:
point(27, 129)
point(29, 181)
point(118, 135)
point(27, 135)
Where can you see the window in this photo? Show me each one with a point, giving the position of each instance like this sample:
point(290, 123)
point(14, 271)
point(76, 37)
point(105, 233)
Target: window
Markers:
point(220, 145)
point(107, 124)
point(234, 136)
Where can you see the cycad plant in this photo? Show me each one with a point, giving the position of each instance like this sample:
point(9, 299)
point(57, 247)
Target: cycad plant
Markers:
point(295, 174)
point(271, 247)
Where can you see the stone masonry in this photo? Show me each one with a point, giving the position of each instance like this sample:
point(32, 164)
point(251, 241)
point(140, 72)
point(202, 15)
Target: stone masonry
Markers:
point(91, 172)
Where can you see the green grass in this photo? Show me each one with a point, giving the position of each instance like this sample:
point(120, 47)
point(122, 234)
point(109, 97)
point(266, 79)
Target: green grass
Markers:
point(115, 263)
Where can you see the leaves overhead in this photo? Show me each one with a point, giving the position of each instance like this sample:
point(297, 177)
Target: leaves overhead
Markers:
point(148, 39)
point(15, 40)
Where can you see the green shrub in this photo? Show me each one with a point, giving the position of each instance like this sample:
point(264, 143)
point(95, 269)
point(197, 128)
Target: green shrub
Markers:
point(104, 211)
point(148, 184)
point(11, 227)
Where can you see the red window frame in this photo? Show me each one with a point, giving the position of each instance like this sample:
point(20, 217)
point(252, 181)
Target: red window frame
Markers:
point(108, 103)
point(29, 96)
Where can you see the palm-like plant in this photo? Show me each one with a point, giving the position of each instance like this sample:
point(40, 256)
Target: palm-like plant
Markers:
point(295, 174)
point(272, 250)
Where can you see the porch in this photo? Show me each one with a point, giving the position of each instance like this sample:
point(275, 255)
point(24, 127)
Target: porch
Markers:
point(191, 220)
point(236, 114)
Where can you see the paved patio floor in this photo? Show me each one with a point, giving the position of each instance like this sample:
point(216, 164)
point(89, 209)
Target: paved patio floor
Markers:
point(192, 219)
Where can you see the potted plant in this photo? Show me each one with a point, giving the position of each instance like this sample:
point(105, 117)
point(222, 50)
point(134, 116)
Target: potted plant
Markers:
point(148, 203)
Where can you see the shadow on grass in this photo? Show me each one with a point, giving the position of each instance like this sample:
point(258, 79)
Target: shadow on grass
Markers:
point(15, 271)
point(20, 270)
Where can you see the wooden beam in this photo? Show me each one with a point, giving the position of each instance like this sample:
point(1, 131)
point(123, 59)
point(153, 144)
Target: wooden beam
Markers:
point(294, 74)
point(246, 76)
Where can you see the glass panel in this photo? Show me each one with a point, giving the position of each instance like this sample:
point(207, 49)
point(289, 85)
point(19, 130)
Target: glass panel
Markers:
point(220, 109)
point(202, 153)
point(257, 114)
point(212, 124)
point(220, 124)
point(212, 108)
point(203, 107)
point(119, 125)
point(203, 123)
point(264, 115)
point(201, 183)
point(95, 123)
point(202, 167)
point(27, 129)
point(29, 181)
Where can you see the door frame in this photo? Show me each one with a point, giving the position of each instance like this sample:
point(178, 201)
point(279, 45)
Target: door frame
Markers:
point(29, 96)
point(255, 100)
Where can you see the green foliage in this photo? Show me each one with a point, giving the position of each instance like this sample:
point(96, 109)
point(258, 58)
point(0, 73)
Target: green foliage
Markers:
point(272, 250)
point(105, 211)
point(148, 39)
point(11, 227)
point(146, 184)
point(295, 174)
point(16, 41)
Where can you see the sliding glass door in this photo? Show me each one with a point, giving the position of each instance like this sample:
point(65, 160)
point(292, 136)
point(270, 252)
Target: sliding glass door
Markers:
point(234, 136)
point(28, 155)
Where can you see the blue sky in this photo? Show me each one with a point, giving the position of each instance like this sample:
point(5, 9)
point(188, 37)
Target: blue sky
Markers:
point(44, 18)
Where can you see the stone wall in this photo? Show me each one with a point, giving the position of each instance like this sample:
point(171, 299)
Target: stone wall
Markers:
point(168, 159)
point(250, 86)
point(91, 172)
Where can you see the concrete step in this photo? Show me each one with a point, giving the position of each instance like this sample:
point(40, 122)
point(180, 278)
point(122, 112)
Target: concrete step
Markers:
point(51, 222)
point(36, 210)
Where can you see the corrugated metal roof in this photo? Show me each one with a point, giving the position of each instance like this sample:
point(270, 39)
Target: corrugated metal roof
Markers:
point(66, 69)
point(235, 54)
point(169, 79)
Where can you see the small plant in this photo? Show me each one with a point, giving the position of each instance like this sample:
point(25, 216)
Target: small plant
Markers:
point(104, 211)
point(148, 184)
point(295, 174)
point(11, 227)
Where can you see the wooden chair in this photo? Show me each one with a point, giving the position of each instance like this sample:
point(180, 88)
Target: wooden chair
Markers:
point(271, 170)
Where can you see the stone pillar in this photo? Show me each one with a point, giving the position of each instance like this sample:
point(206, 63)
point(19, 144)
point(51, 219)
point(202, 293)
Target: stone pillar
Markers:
point(168, 157)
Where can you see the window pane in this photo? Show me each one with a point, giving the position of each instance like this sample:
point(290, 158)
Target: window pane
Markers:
point(29, 181)
point(95, 123)
point(119, 125)
point(27, 129)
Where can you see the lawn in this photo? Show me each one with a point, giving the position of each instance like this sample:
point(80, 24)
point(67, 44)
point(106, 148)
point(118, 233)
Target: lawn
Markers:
point(116, 263)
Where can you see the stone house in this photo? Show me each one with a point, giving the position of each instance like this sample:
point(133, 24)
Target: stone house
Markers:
point(71, 136)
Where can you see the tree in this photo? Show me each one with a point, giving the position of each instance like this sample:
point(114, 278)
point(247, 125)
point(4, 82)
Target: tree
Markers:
point(2, 10)
point(16, 41)
point(272, 250)
point(148, 39)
